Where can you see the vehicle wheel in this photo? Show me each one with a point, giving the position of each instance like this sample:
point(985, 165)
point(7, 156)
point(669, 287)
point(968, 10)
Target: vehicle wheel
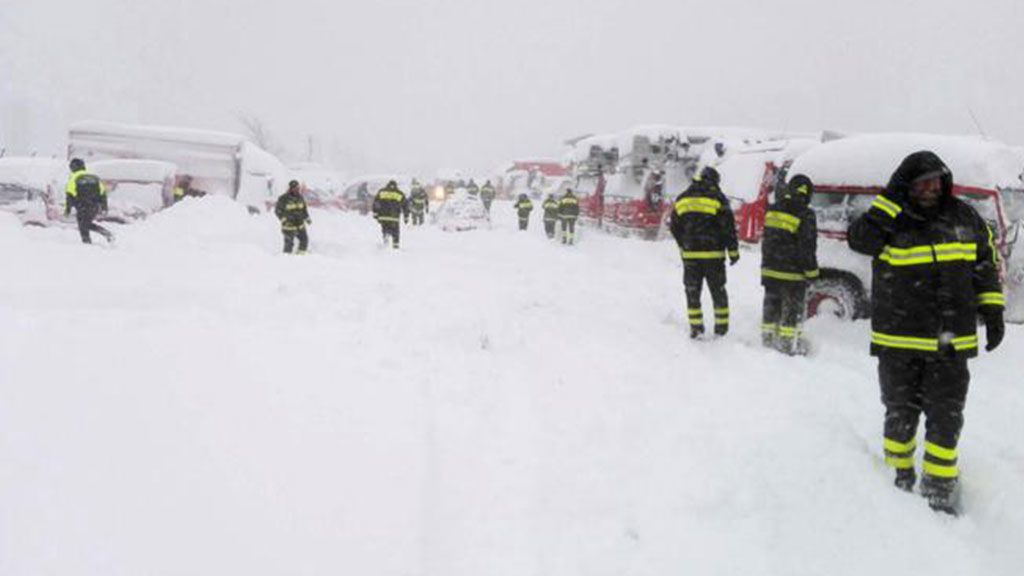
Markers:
point(835, 296)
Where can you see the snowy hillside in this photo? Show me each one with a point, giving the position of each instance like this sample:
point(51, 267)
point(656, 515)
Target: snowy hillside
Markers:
point(483, 403)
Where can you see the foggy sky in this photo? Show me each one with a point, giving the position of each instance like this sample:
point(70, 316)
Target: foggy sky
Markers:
point(417, 85)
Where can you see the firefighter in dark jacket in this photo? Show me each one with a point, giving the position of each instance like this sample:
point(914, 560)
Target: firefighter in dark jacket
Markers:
point(550, 215)
point(87, 194)
point(788, 262)
point(419, 203)
point(291, 210)
point(935, 271)
point(703, 226)
point(568, 212)
point(487, 193)
point(523, 208)
point(389, 208)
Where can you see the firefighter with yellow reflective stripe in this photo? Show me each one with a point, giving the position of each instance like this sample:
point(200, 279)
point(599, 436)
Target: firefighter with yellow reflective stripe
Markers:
point(419, 203)
point(702, 224)
point(523, 208)
point(293, 213)
point(568, 212)
point(87, 194)
point(788, 262)
point(935, 271)
point(389, 209)
point(550, 207)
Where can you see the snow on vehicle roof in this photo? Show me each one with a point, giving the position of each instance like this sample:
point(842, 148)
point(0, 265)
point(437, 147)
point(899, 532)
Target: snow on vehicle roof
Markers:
point(169, 133)
point(137, 170)
point(742, 173)
point(869, 160)
point(32, 172)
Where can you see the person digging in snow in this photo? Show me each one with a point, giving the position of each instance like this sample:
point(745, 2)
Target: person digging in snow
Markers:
point(935, 271)
point(703, 227)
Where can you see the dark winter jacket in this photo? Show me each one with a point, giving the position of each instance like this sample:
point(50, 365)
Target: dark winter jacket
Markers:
point(568, 206)
point(550, 209)
point(85, 193)
point(934, 270)
point(523, 207)
point(702, 222)
point(291, 211)
point(790, 243)
point(390, 204)
point(487, 192)
point(472, 189)
point(419, 202)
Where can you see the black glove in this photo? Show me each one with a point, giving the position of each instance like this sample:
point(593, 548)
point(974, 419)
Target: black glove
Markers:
point(994, 330)
point(733, 259)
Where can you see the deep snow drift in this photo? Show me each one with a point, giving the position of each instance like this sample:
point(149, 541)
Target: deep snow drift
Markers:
point(479, 403)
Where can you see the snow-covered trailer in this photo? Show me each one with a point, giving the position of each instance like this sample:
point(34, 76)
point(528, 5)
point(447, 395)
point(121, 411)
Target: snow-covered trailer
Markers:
point(218, 162)
point(848, 173)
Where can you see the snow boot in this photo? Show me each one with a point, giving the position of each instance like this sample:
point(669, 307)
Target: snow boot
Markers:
point(943, 494)
point(905, 479)
point(696, 332)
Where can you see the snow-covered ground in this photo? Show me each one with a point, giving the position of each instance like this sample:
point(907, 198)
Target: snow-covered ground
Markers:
point(479, 403)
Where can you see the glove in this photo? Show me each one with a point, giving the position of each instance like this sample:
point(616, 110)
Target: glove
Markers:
point(733, 259)
point(994, 331)
point(309, 220)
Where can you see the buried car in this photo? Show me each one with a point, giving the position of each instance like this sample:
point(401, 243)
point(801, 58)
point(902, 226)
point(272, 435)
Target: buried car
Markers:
point(461, 212)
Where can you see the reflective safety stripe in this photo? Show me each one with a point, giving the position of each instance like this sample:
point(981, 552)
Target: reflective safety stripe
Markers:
point(293, 206)
point(939, 470)
point(788, 331)
point(696, 321)
point(387, 219)
point(992, 246)
point(939, 451)
point(691, 312)
point(734, 253)
point(960, 343)
point(769, 328)
point(721, 311)
point(292, 227)
point(811, 274)
point(721, 321)
point(702, 255)
point(802, 189)
point(888, 206)
point(391, 196)
point(781, 221)
point(991, 299)
point(900, 463)
point(779, 275)
point(927, 254)
point(899, 447)
point(697, 204)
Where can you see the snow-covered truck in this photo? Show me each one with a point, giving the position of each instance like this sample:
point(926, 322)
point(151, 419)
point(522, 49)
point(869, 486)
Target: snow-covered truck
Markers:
point(849, 172)
point(217, 162)
point(32, 188)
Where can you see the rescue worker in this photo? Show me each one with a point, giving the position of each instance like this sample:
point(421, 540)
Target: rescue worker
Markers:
point(703, 226)
point(293, 213)
point(487, 194)
point(935, 271)
point(87, 194)
point(788, 262)
point(472, 189)
point(419, 203)
point(389, 208)
point(550, 215)
point(523, 208)
point(568, 212)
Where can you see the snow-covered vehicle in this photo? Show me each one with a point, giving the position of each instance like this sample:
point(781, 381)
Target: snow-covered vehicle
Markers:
point(848, 173)
point(535, 178)
point(32, 188)
point(218, 162)
point(135, 188)
point(322, 187)
point(461, 212)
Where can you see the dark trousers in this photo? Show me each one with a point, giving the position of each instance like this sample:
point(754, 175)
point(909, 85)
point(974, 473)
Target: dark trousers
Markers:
point(86, 224)
point(524, 222)
point(289, 240)
point(695, 274)
point(936, 386)
point(487, 204)
point(549, 227)
point(417, 218)
point(392, 230)
point(783, 314)
point(568, 230)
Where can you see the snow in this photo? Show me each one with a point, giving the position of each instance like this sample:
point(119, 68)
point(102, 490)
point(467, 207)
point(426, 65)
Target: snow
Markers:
point(37, 173)
point(193, 402)
point(137, 170)
point(869, 160)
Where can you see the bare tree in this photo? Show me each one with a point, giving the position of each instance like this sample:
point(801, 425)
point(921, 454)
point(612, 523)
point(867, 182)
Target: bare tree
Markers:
point(256, 131)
